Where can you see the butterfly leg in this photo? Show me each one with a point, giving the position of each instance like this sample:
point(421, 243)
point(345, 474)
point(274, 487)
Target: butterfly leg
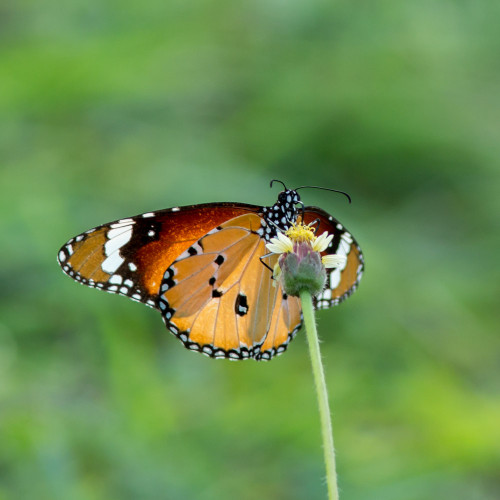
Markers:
point(263, 257)
point(315, 221)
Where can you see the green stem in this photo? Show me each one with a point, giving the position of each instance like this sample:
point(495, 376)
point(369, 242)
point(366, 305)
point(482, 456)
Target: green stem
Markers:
point(319, 380)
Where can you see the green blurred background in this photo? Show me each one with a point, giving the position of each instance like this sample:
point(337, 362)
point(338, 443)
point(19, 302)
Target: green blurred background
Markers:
point(113, 108)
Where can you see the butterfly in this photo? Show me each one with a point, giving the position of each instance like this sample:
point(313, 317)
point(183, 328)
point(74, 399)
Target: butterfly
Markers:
point(207, 270)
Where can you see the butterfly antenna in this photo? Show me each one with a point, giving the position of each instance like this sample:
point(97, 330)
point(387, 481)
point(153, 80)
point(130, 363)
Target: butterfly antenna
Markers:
point(326, 189)
point(277, 180)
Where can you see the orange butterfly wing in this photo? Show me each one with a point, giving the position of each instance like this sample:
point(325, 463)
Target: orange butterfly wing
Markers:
point(129, 256)
point(219, 297)
point(341, 281)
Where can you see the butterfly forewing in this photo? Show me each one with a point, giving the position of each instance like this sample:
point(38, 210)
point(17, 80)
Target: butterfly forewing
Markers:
point(343, 280)
point(223, 301)
point(129, 256)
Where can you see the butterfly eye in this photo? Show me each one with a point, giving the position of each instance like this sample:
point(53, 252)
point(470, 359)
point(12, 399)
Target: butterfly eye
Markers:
point(282, 197)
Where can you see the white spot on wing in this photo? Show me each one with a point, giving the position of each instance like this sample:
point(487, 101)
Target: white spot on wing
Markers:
point(117, 238)
point(347, 237)
point(112, 263)
point(132, 266)
point(117, 231)
point(122, 223)
point(344, 249)
point(116, 279)
point(62, 256)
point(148, 214)
point(175, 209)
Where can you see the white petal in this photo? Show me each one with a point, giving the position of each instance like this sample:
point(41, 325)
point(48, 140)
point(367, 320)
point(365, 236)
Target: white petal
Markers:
point(333, 260)
point(285, 240)
point(281, 244)
point(321, 243)
point(275, 248)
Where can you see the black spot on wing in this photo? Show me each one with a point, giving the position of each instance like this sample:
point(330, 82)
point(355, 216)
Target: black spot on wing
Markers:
point(241, 305)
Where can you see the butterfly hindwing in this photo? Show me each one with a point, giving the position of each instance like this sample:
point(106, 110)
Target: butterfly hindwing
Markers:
point(129, 256)
point(219, 297)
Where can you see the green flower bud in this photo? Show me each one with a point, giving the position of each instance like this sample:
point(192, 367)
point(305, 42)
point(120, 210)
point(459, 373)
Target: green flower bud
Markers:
point(301, 269)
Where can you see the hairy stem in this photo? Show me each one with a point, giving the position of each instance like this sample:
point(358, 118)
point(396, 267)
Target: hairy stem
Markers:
point(322, 394)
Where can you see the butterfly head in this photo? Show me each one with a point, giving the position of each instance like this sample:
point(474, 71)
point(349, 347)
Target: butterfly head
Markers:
point(288, 197)
point(289, 200)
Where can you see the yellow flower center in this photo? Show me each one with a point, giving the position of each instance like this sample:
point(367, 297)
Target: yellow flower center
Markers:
point(300, 233)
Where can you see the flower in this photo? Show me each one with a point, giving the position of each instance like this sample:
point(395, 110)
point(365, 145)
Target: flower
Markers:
point(300, 264)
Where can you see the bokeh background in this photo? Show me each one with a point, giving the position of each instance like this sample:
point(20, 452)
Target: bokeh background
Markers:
point(113, 108)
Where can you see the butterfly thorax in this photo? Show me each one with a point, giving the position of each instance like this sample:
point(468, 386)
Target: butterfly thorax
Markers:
point(280, 216)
